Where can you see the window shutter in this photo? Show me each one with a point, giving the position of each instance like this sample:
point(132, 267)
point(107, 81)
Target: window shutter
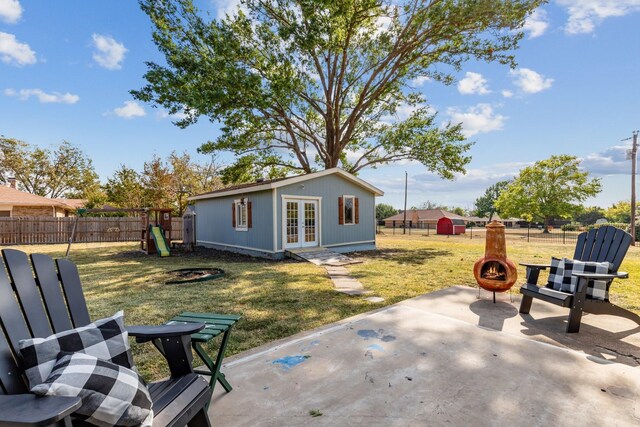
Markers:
point(233, 214)
point(340, 210)
point(356, 208)
point(249, 222)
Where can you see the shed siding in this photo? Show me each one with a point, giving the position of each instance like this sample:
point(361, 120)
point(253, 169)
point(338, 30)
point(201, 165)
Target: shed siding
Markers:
point(329, 188)
point(214, 224)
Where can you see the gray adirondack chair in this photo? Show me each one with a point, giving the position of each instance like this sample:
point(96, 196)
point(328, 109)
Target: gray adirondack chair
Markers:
point(41, 297)
point(603, 244)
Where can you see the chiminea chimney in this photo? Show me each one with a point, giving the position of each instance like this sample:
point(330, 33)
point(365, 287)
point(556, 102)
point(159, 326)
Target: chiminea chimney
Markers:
point(12, 182)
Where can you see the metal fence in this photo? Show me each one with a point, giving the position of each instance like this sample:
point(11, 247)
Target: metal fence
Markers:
point(527, 234)
point(50, 230)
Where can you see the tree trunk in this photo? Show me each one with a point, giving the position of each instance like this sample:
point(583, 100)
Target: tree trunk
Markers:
point(546, 224)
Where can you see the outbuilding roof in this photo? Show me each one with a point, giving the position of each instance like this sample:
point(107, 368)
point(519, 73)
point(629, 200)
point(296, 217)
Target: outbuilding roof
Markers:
point(280, 182)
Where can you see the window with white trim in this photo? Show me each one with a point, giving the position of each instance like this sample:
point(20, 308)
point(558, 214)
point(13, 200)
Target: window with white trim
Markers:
point(349, 209)
point(241, 215)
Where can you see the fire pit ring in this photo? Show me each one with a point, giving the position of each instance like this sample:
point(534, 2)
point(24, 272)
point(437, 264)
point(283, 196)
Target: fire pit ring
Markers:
point(193, 275)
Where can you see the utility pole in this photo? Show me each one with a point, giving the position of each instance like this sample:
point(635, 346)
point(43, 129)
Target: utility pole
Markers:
point(634, 152)
point(404, 221)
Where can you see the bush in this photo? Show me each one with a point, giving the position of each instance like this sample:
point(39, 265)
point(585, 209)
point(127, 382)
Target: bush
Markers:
point(622, 225)
point(574, 226)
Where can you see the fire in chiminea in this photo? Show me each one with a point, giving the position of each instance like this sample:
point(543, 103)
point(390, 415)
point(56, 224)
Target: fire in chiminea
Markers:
point(494, 271)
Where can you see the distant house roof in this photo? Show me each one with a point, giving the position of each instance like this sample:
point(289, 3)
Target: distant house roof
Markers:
point(426, 215)
point(13, 196)
point(279, 182)
point(74, 203)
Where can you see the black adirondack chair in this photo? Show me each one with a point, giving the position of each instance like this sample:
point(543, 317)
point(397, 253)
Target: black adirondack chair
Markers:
point(603, 244)
point(52, 302)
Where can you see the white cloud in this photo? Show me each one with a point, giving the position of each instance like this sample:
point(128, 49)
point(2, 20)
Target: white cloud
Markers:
point(14, 52)
point(612, 161)
point(420, 81)
point(164, 114)
point(10, 11)
point(109, 53)
point(507, 93)
point(229, 7)
point(473, 83)
point(403, 112)
point(530, 81)
point(478, 119)
point(584, 15)
point(43, 97)
point(536, 24)
point(129, 110)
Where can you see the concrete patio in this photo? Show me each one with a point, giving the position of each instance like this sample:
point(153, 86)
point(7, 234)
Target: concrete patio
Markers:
point(445, 358)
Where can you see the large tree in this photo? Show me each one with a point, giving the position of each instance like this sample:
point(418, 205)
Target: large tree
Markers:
point(315, 84)
point(551, 188)
point(384, 210)
point(620, 212)
point(64, 170)
point(485, 205)
point(125, 189)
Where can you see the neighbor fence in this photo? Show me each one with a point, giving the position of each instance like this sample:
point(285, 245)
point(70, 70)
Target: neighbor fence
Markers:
point(527, 234)
point(44, 230)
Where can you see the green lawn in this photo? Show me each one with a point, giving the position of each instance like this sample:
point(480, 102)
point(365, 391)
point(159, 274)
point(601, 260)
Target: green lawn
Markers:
point(279, 299)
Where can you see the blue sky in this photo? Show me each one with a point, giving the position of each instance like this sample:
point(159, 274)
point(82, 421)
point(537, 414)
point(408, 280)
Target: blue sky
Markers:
point(66, 68)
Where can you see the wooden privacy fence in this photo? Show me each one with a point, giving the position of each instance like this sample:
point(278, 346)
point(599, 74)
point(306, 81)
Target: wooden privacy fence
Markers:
point(42, 230)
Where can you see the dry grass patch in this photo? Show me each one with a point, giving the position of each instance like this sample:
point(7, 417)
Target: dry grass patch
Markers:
point(279, 299)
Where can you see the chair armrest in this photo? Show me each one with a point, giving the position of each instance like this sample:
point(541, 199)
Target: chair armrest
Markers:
point(535, 266)
point(148, 333)
point(601, 276)
point(31, 410)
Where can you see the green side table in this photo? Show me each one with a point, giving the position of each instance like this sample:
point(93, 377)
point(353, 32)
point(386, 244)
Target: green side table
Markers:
point(216, 324)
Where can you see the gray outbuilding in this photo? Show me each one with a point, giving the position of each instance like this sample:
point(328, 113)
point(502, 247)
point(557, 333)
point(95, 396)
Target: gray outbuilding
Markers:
point(331, 209)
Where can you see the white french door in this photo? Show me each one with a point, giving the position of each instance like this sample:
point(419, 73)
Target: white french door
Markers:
point(300, 223)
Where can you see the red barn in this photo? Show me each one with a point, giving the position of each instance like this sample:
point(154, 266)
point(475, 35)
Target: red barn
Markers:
point(450, 226)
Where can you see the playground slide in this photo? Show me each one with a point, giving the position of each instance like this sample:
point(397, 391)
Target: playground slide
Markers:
point(158, 239)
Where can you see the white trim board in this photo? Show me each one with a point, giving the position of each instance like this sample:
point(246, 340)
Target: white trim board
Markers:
point(288, 181)
point(335, 245)
point(238, 246)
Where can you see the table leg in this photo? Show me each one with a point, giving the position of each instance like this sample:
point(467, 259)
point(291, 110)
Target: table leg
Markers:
point(214, 367)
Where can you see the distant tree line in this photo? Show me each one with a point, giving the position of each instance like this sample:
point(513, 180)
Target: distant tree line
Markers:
point(65, 171)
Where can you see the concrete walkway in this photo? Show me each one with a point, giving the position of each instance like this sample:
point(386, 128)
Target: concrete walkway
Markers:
point(445, 358)
point(334, 263)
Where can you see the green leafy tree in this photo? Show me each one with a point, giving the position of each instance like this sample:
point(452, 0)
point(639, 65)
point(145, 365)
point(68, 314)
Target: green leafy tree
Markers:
point(457, 210)
point(485, 205)
point(620, 212)
point(431, 205)
point(189, 178)
point(65, 170)
point(551, 188)
point(590, 215)
point(307, 84)
point(157, 182)
point(125, 189)
point(385, 211)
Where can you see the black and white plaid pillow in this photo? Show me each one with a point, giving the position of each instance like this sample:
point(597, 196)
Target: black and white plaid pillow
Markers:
point(106, 339)
point(111, 395)
point(556, 274)
point(596, 289)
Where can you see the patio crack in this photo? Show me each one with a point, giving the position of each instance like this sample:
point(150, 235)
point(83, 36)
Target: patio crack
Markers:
point(619, 353)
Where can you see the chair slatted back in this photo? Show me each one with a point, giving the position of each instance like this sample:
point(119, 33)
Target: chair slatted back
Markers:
point(26, 289)
point(73, 292)
point(34, 306)
point(606, 243)
point(47, 278)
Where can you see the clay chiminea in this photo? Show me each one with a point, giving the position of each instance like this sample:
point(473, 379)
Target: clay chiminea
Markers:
point(494, 271)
